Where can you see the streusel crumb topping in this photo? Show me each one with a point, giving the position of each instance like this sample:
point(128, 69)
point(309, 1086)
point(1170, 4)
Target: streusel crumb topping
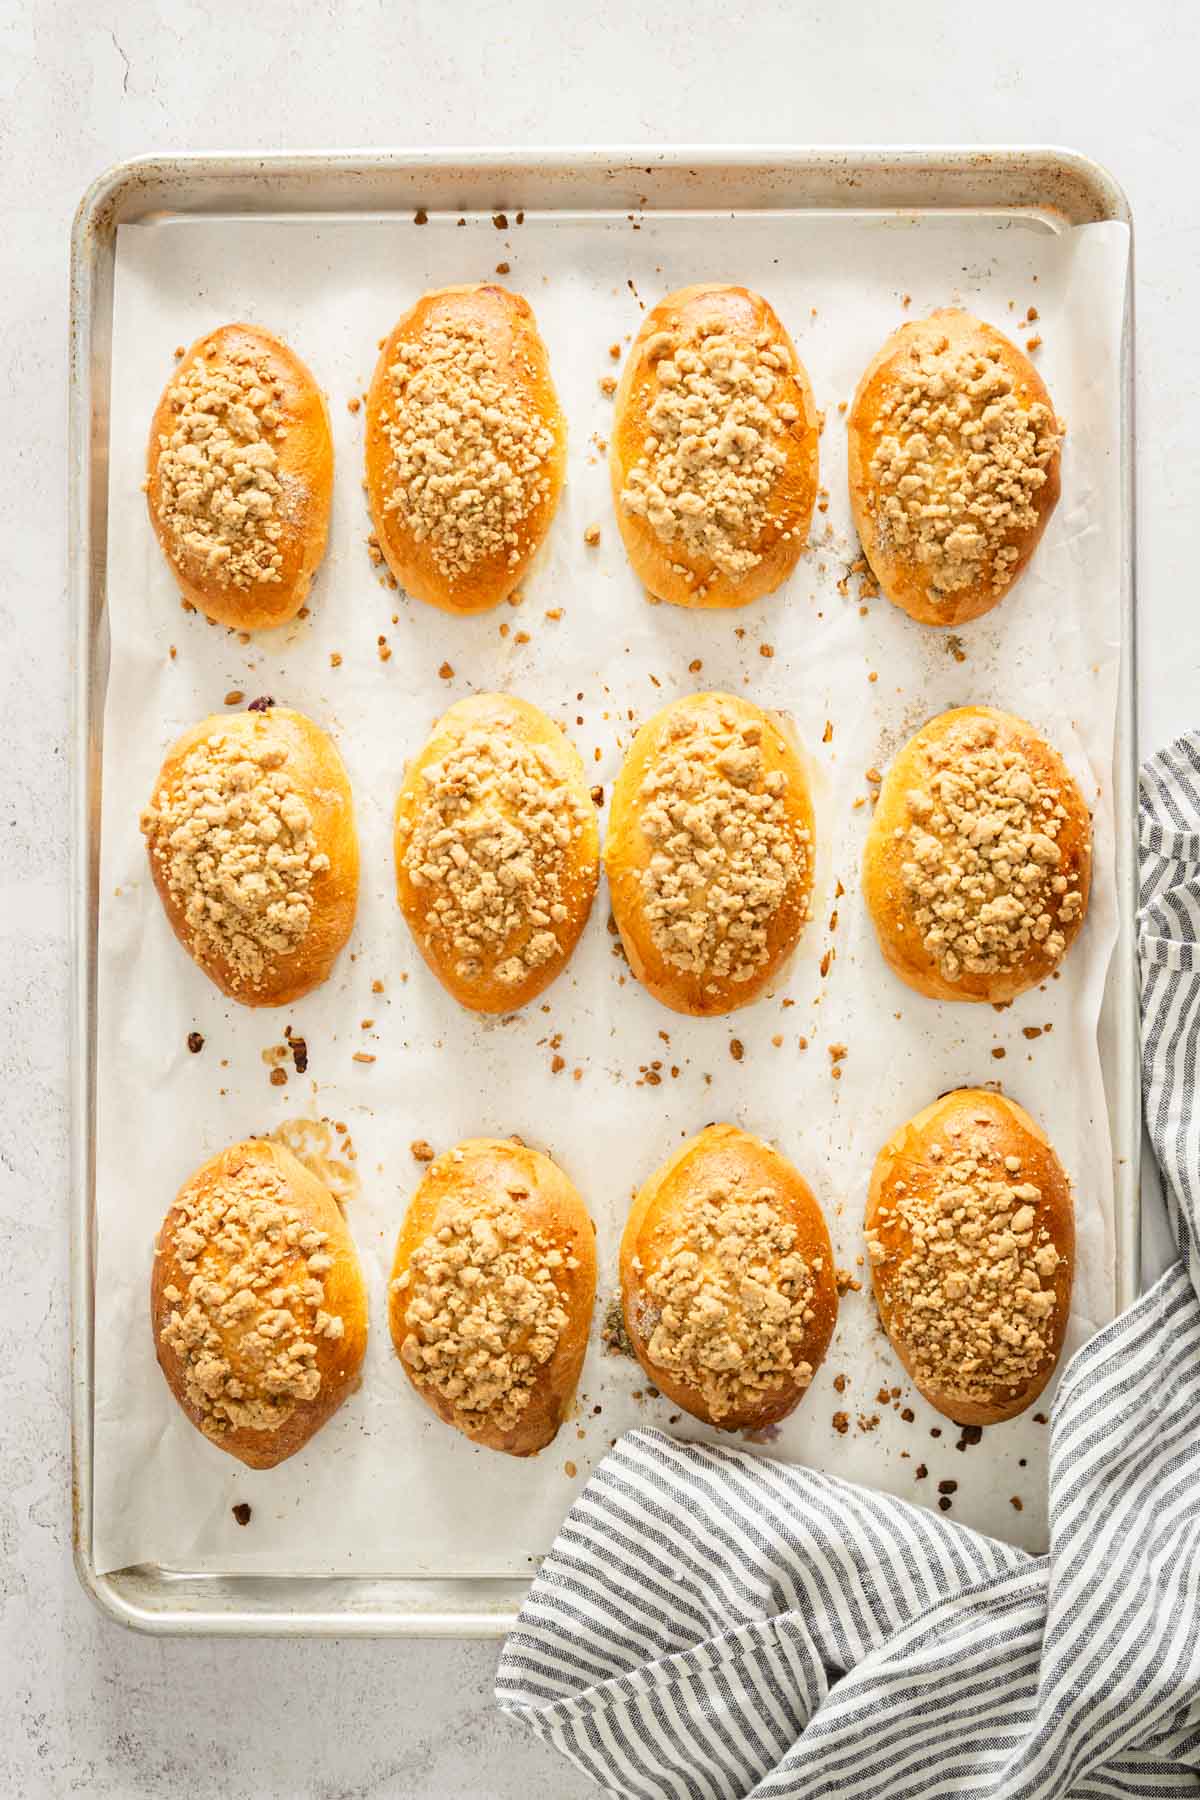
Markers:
point(235, 842)
point(483, 1310)
point(730, 1302)
point(958, 465)
point(246, 1323)
point(714, 445)
point(221, 500)
point(725, 853)
point(490, 840)
point(983, 870)
point(975, 1292)
point(472, 455)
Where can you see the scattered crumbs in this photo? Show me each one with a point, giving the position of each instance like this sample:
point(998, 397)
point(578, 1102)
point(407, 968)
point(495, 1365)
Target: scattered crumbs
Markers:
point(446, 672)
point(597, 796)
point(557, 1065)
point(500, 221)
point(1033, 343)
point(920, 1472)
point(608, 386)
point(825, 962)
point(935, 1431)
point(695, 666)
point(354, 404)
point(947, 1487)
point(335, 659)
point(420, 217)
point(363, 1056)
point(172, 652)
point(614, 350)
point(1015, 1501)
point(841, 406)
point(846, 1282)
point(838, 1052)
point(521, 221)
point(591, 535)
point(841, 1423)
point(777, 1041)
point(179, 350)
point(613, 1334)
point(377, 987)
point(242, 1512)
point(944, 1503)
point(502, 268)
point(195, 1042)
point(971, 1434)
point(839, 1383)
point(908, 1415)
point(999, 1053)
point(827, 734)
point(278, 1077)
point(570, 1470)
point(385, 650)
point(234, 697)
point(555, 614)
point(767, 650)
point(520, 637)
point(873, 676)
point(1038, 1419)
point(737, 1049)
point(866, 1423)
point(1031, 1031)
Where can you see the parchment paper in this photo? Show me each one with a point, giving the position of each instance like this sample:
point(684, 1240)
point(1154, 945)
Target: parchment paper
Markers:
point(385, 1487)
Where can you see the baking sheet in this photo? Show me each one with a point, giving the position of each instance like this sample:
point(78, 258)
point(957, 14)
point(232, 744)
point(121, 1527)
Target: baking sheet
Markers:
point(385, 1488)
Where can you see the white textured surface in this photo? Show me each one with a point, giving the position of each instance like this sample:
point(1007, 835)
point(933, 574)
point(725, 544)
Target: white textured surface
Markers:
point(83, 1706)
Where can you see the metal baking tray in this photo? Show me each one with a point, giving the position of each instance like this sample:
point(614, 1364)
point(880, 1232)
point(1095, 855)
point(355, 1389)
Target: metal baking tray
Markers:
point(1057, 187)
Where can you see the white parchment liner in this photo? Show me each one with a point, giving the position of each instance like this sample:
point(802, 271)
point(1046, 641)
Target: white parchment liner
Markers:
point(385, 1487)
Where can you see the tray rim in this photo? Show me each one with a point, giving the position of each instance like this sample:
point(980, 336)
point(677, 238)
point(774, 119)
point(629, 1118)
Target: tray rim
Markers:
point(1061, 185)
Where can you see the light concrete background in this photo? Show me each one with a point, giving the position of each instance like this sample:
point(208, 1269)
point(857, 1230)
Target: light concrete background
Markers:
point(85, 1707)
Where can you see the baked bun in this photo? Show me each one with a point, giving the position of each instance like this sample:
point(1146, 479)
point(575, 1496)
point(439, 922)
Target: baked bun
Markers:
point(727, 1280)
point(979, 859)
point(713, 454)
point(466, 447)
point(257, 1303)
point(250, 831)
point(709, 853)
point(971, 1239)
point(490, 1301)
point(240, 477)
point(954, 460)
point(497, 851)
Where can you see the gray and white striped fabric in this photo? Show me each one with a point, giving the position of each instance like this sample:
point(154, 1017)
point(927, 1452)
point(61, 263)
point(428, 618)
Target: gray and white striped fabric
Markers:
point(709, 1624)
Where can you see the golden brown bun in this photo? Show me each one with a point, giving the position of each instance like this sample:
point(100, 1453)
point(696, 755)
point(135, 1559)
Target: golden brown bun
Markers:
point(890, 905)
point(520, 361)
point(499, 715)
point(339, 1359)
point(904, 1165)
point(725, 1155)
point(317, 772)
point(784, 533)
point(628, 853)
point(904, 580)
point(305, 454)
point(477, 1173)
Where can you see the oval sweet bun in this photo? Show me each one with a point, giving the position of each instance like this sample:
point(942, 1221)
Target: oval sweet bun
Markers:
point(305, 469)
point(319, 774)
point(500, 713)
point(724, 1153)
point(904, 582)
point(883, 885)
point(519, 358)
point(627, 855)
point(476, 1171)
point(339, 1360)
point(784, 534)
point(1014, 1133)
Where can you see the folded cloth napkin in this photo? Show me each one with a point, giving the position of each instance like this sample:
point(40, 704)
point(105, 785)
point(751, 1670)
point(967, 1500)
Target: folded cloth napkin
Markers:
point(710, 1624)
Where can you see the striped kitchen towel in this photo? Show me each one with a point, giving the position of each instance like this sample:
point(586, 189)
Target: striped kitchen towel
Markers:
point(709, 1624)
